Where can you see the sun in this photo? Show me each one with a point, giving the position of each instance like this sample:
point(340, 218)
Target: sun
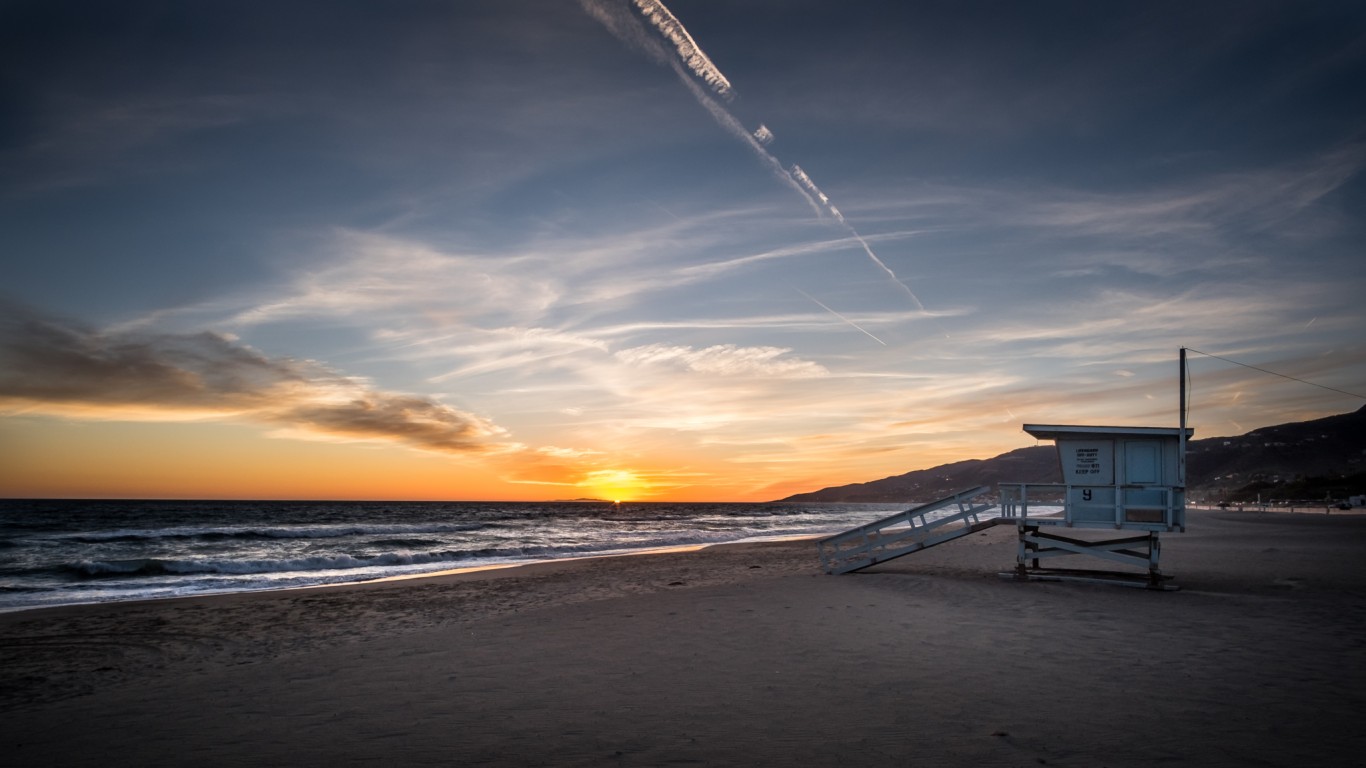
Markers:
point(617, 485)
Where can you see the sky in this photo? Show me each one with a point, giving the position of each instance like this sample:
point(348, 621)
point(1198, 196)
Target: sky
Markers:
point(702, 251)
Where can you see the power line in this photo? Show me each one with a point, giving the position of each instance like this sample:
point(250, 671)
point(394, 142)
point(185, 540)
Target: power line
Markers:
point(1282, 375)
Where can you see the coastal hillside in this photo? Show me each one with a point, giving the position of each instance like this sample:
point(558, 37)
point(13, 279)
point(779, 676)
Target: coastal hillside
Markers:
point(1320, 457)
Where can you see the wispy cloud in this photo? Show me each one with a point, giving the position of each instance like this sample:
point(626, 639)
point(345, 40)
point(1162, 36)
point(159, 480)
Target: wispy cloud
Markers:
point(724, 360)
point(507, 349)
point(85, 139)
point(374, 277)
point(1252, 199)
point(796, 321)
point(371, 273)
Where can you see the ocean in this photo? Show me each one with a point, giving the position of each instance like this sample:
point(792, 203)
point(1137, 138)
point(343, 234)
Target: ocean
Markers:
point(63, 552)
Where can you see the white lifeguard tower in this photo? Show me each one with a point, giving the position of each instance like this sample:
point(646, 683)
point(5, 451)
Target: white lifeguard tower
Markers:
point(1114, 478)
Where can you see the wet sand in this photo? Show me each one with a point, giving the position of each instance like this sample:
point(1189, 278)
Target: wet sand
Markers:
point(733, 655)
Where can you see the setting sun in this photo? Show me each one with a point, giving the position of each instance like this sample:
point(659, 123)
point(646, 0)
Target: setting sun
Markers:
point(615, 485)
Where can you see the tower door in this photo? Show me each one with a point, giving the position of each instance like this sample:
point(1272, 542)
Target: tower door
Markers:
point(1143, 466)
point(1143, 462)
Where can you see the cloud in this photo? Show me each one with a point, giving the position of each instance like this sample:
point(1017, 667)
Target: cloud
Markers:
point(566, 453)
point(45, 361)
point(409, 288)
point(370, 273)
point(49, 366)
point(1256, 199)
point(724, 360)
point(511, 348)
point(416, 421)
point(87, 139)
point(793, 322)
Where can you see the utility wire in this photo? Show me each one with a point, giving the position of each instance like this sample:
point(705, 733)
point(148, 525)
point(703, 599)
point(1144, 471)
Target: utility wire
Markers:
point(1273, 373)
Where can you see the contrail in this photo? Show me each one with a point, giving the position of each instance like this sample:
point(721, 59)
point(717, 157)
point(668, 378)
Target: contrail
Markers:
point(805, 181)
point(627, 27)
point(811, 188)
point(698, 66)
point(737, 129)
point(688, 50)
point(853, 324)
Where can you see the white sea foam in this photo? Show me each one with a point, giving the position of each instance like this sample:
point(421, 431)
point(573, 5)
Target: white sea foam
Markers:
point(73, 552)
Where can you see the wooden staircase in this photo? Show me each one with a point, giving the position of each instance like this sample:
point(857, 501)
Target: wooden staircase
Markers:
point(907, 532)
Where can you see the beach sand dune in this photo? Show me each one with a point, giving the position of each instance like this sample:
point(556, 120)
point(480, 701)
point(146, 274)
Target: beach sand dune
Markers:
point(735, 655)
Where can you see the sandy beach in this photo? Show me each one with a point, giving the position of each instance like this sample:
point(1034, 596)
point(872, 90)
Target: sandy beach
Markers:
point(731, 655)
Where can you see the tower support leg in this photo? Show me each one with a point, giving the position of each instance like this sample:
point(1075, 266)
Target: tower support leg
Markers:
point(1143, 552)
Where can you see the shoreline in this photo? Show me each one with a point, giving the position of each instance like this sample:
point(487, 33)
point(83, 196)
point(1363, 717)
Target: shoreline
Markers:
point(549, 565)
point(343, 580)
point(532, 567)
point(436, 574)
point(528, 569)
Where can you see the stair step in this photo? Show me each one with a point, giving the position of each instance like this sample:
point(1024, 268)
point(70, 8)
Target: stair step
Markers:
point(881, 540)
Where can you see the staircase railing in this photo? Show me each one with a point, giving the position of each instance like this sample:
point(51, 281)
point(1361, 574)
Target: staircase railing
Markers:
point(905, 532)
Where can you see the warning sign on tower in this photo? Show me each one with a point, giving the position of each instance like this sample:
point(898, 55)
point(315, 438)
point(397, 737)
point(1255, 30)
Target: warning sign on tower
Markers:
point(1087, 462)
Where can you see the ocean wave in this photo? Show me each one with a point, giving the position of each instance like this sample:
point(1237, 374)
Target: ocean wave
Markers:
point(151, 566)
point(9, 588)
point(108, 551)
point(272, 532)
point(160, 567)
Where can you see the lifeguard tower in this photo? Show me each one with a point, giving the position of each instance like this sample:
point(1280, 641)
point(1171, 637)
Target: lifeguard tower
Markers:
point(1114, 478)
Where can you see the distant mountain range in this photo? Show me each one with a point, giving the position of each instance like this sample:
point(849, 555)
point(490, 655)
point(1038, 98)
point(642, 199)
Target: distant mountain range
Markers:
point(1321, 457)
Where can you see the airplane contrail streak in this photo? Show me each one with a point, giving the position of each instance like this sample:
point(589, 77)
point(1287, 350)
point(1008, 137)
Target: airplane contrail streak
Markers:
point(804, 179)
point(692, 64)
point(629, 29)
point(737, 129)
point(688, 50)
point(851, 323)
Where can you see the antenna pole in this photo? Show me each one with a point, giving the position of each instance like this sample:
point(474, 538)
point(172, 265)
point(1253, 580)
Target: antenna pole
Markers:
point(1181, 462)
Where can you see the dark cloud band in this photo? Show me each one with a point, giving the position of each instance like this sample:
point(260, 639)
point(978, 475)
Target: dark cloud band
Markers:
point(50, 365)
